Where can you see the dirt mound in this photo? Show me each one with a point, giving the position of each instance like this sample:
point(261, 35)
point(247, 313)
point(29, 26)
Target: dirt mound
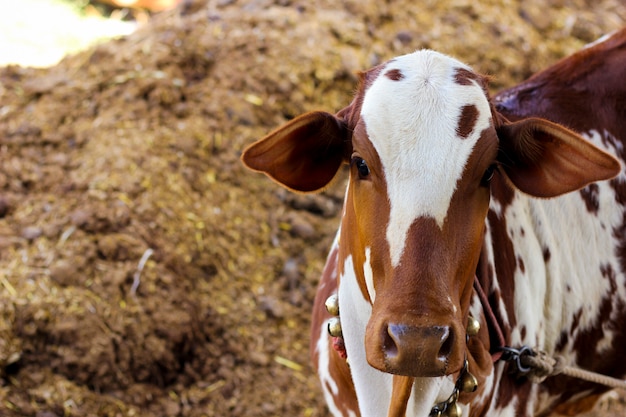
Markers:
point(143, 271)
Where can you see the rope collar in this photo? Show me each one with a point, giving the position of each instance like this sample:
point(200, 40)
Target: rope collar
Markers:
point(492, 322)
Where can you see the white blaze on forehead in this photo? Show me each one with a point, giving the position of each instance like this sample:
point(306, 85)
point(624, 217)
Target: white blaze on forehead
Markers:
point(411, 118)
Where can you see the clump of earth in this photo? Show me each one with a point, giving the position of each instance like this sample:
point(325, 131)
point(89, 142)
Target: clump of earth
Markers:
point(143, 270)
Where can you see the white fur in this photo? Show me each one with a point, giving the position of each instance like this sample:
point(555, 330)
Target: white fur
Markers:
point(580, 244)
point(412, 124)
point(329, 386)
point(548, 296)
point(373, 388)
point(369, 274)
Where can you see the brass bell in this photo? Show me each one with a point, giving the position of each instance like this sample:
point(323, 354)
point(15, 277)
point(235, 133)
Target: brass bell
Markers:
point(334, 327)
point(468, 382)
point(454, 410)
point(332, 305)
point(473, 326)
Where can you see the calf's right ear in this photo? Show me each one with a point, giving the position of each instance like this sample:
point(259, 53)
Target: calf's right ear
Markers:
point(304, 154)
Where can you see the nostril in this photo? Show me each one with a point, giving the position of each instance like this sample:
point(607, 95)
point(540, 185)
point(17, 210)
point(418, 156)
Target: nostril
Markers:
point(447, 338)
point(419, 351)
point(390, 346)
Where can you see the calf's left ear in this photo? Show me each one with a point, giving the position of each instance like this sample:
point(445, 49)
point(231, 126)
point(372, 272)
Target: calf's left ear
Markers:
point(304, 154)
point(544, 159)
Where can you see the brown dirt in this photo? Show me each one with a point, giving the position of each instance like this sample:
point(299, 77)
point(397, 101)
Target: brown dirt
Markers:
point(143, 271)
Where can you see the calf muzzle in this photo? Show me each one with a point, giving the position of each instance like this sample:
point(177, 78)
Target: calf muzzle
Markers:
point(419, 351)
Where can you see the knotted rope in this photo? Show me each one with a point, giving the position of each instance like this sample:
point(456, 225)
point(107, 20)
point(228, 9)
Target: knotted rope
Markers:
point(538, 365)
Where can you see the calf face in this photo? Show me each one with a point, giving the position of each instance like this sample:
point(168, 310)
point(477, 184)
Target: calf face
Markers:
point(422, 141)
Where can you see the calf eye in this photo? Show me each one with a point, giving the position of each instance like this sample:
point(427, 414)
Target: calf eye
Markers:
point(361, 167)
point(488, 175)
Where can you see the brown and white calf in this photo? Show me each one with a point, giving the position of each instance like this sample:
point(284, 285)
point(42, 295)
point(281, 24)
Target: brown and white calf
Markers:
point(447, 185)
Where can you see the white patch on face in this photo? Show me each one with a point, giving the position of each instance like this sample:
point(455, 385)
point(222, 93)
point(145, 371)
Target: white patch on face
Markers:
point(412, 124)
point(369, 274)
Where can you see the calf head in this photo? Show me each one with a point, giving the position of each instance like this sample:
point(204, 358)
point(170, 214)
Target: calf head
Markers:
point(423, 142)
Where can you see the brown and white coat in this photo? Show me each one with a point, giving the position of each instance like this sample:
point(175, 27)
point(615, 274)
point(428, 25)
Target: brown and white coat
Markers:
point(447, 184)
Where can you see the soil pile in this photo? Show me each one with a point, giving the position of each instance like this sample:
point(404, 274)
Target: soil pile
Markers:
point(143, 271)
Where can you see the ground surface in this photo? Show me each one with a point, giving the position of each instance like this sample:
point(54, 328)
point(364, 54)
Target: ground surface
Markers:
point(143, 271)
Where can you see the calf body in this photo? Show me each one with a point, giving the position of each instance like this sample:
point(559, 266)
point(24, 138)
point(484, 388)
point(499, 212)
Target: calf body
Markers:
point(448, 187)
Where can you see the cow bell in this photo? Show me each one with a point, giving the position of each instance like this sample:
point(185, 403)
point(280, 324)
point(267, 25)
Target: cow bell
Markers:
point(332, 305)
point(454, 410)
point(473, 326)
point(334, 327)
point(468, 382)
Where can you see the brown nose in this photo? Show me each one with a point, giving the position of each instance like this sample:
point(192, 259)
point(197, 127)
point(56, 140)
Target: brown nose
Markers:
point(417, 351)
